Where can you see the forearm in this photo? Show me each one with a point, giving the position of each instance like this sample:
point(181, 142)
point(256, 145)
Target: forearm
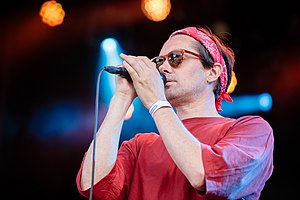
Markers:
point(182, 146)
point(107, 141)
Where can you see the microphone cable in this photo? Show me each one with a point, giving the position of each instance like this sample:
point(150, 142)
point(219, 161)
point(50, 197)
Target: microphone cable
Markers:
point(95, 132)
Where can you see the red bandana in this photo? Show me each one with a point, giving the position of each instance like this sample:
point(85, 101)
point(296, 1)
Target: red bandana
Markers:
point(215, 53)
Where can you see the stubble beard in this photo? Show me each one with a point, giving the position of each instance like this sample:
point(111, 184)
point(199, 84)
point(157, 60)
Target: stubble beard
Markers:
point(175, 95)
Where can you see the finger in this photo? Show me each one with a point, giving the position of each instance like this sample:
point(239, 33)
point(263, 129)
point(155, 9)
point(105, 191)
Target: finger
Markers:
point(147, 62)
point(132, 72)
point(142, 66)
point(135, 62)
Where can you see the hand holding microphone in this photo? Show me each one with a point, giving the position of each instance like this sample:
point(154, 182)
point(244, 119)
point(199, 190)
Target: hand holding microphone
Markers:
point(141, 69)
point(123, 72)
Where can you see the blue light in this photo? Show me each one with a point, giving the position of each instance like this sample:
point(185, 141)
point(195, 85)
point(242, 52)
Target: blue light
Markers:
point(265, 102)
point(247, 104)
point(57, 119)
point(110, 50)
point(109, 44)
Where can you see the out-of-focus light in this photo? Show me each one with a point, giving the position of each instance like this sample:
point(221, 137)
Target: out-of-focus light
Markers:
point(52, 13)
point(232, 84)
point(265, 102)
point(247, 104)
point(110, 56)
point(156, 10)
point(109, 44)
point(129, 112)
point(110, 50)
point(57, 119)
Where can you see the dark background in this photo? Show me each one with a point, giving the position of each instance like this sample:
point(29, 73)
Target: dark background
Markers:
point(46, 69)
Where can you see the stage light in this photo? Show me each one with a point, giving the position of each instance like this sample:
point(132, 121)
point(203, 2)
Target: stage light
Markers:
point(52, 13)
point(156, 10)
point(110, 56)
point(265, 102)
point(109, 44)
point(110, 51)
point(247, 104)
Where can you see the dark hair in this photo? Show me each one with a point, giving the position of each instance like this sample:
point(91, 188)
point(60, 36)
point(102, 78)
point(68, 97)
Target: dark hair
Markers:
point(227, 54)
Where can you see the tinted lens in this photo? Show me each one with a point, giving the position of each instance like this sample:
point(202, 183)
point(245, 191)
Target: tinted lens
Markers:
point(159, 60)
point(175, 58)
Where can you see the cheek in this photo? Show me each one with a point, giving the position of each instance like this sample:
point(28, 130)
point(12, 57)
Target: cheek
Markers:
point(196, 77)
point(196, 82)
point(191, 76)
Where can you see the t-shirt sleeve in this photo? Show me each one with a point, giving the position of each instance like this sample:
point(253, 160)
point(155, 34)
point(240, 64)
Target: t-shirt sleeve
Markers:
point(117, 182)
point(240, 163)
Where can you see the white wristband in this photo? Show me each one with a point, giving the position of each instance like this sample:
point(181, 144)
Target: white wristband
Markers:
point(158, 105)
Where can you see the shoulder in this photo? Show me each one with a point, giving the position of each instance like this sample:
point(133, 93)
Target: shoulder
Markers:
point(251, 120)
point(251, 126)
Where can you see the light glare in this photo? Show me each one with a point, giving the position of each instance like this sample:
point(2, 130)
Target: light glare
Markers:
point(156, 10)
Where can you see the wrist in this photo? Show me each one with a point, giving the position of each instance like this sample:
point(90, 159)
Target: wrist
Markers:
point(120, 102)
point(157, 105)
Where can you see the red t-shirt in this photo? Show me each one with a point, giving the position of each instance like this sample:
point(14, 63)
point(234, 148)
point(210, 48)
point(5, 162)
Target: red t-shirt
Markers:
point(237, 156)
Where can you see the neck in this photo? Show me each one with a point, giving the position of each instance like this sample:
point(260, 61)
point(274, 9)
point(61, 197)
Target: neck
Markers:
point(198, 108)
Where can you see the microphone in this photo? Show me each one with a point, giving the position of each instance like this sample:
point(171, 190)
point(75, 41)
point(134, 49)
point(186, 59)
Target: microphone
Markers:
point(122, 71)
point(117, 70)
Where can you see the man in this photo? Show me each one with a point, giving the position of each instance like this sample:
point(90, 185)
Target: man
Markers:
point(198, 153)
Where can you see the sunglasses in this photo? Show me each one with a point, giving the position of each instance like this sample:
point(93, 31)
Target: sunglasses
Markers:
point(174, 57)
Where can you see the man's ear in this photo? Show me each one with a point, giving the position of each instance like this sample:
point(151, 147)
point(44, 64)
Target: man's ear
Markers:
point(214, 73)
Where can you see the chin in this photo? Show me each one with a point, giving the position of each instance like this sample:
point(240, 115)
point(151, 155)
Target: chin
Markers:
point(171, 95)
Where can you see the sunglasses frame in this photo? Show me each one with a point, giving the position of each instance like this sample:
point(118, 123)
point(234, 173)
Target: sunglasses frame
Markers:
point(169, 58)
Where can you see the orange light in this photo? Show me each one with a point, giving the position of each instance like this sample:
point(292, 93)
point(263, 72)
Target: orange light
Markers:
point(156, 10)
point(232, 84)
point(52, 13)
point(129, 112)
